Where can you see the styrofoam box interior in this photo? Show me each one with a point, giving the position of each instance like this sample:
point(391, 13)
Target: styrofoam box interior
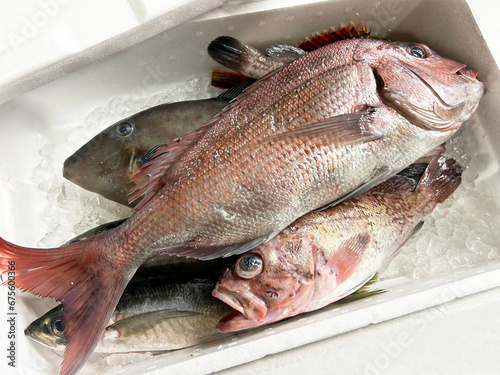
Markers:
point(454, 255)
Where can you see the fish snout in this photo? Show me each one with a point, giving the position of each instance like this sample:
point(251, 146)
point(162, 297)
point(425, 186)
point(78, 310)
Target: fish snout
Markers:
point(468, 73)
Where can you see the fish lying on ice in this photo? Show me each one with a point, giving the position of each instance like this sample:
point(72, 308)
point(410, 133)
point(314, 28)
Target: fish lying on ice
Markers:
point(153, 315)
point(106, 163)
point(157, 312)
point(327, 126)
point(167, 305)
point(326, 255)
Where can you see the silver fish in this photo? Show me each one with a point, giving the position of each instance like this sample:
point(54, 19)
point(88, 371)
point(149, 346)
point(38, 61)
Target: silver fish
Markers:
point(154, 314)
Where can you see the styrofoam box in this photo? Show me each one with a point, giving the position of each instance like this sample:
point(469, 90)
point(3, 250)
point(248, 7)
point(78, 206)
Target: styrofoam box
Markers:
point(454, 255)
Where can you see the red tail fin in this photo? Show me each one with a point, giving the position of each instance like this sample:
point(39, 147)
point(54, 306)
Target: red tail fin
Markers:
point(76, 275)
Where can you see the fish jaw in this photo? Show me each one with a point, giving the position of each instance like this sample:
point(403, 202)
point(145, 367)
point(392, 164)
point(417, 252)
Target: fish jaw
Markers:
point(101, 166)
point(37, 332)
point(46, 330)
point(246, 303)
point(235, 321)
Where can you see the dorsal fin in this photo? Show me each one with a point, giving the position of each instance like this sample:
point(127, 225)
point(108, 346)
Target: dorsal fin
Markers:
point(156, 162)
point(334, 35)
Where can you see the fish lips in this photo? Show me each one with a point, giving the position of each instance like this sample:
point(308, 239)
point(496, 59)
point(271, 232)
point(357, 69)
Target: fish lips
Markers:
point(246, 304)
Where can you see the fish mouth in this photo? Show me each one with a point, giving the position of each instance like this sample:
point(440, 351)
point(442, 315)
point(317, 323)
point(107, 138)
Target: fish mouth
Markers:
point(468, 73)
point(246, 304)
point(442, 117)
point(235, 321)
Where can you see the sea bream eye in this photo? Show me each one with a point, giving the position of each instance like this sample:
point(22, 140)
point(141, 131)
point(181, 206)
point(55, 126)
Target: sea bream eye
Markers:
point(124, 129)
point(417, 51)
point(249, 266)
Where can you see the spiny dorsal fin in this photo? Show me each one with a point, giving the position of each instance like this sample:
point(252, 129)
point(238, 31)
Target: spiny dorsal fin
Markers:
point(334, 35)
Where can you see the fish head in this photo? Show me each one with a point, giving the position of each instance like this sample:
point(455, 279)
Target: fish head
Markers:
point(427, 89)
point(48, 330)
point(106, 164)
point(267, 284)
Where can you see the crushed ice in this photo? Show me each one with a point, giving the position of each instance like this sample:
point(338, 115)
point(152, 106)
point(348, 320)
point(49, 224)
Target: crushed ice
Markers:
point(461, 232)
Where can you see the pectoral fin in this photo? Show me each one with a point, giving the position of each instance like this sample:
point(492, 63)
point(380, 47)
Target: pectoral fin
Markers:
point(342, 130)
point(346, 258)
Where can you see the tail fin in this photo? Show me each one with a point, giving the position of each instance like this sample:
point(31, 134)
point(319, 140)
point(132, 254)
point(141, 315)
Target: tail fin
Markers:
point(441, 178)
point(225, 79)
point(78, 276)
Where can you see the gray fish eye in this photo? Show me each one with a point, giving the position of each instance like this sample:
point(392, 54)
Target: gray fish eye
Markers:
point(57, 326)
point(249, 266)
point(124, 129)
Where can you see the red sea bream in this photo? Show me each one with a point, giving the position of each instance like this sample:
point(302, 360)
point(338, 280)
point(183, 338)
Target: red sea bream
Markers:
point(339, 119)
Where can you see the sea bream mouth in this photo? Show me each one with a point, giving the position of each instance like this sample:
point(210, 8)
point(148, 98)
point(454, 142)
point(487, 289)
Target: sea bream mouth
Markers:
point(245, 303)
point(441, 117)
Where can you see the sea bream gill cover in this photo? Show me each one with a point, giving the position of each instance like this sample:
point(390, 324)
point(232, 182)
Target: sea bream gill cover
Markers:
point(324, 127)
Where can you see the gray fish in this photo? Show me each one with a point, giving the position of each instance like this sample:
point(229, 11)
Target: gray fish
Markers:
point(106, 163)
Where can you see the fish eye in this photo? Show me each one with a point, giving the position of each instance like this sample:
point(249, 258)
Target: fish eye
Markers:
point(249, 266)
point(124, 129)
point(57, 326)
point(417, 51)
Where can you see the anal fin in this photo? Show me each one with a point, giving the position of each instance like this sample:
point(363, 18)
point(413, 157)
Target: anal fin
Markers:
point(209, 252)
